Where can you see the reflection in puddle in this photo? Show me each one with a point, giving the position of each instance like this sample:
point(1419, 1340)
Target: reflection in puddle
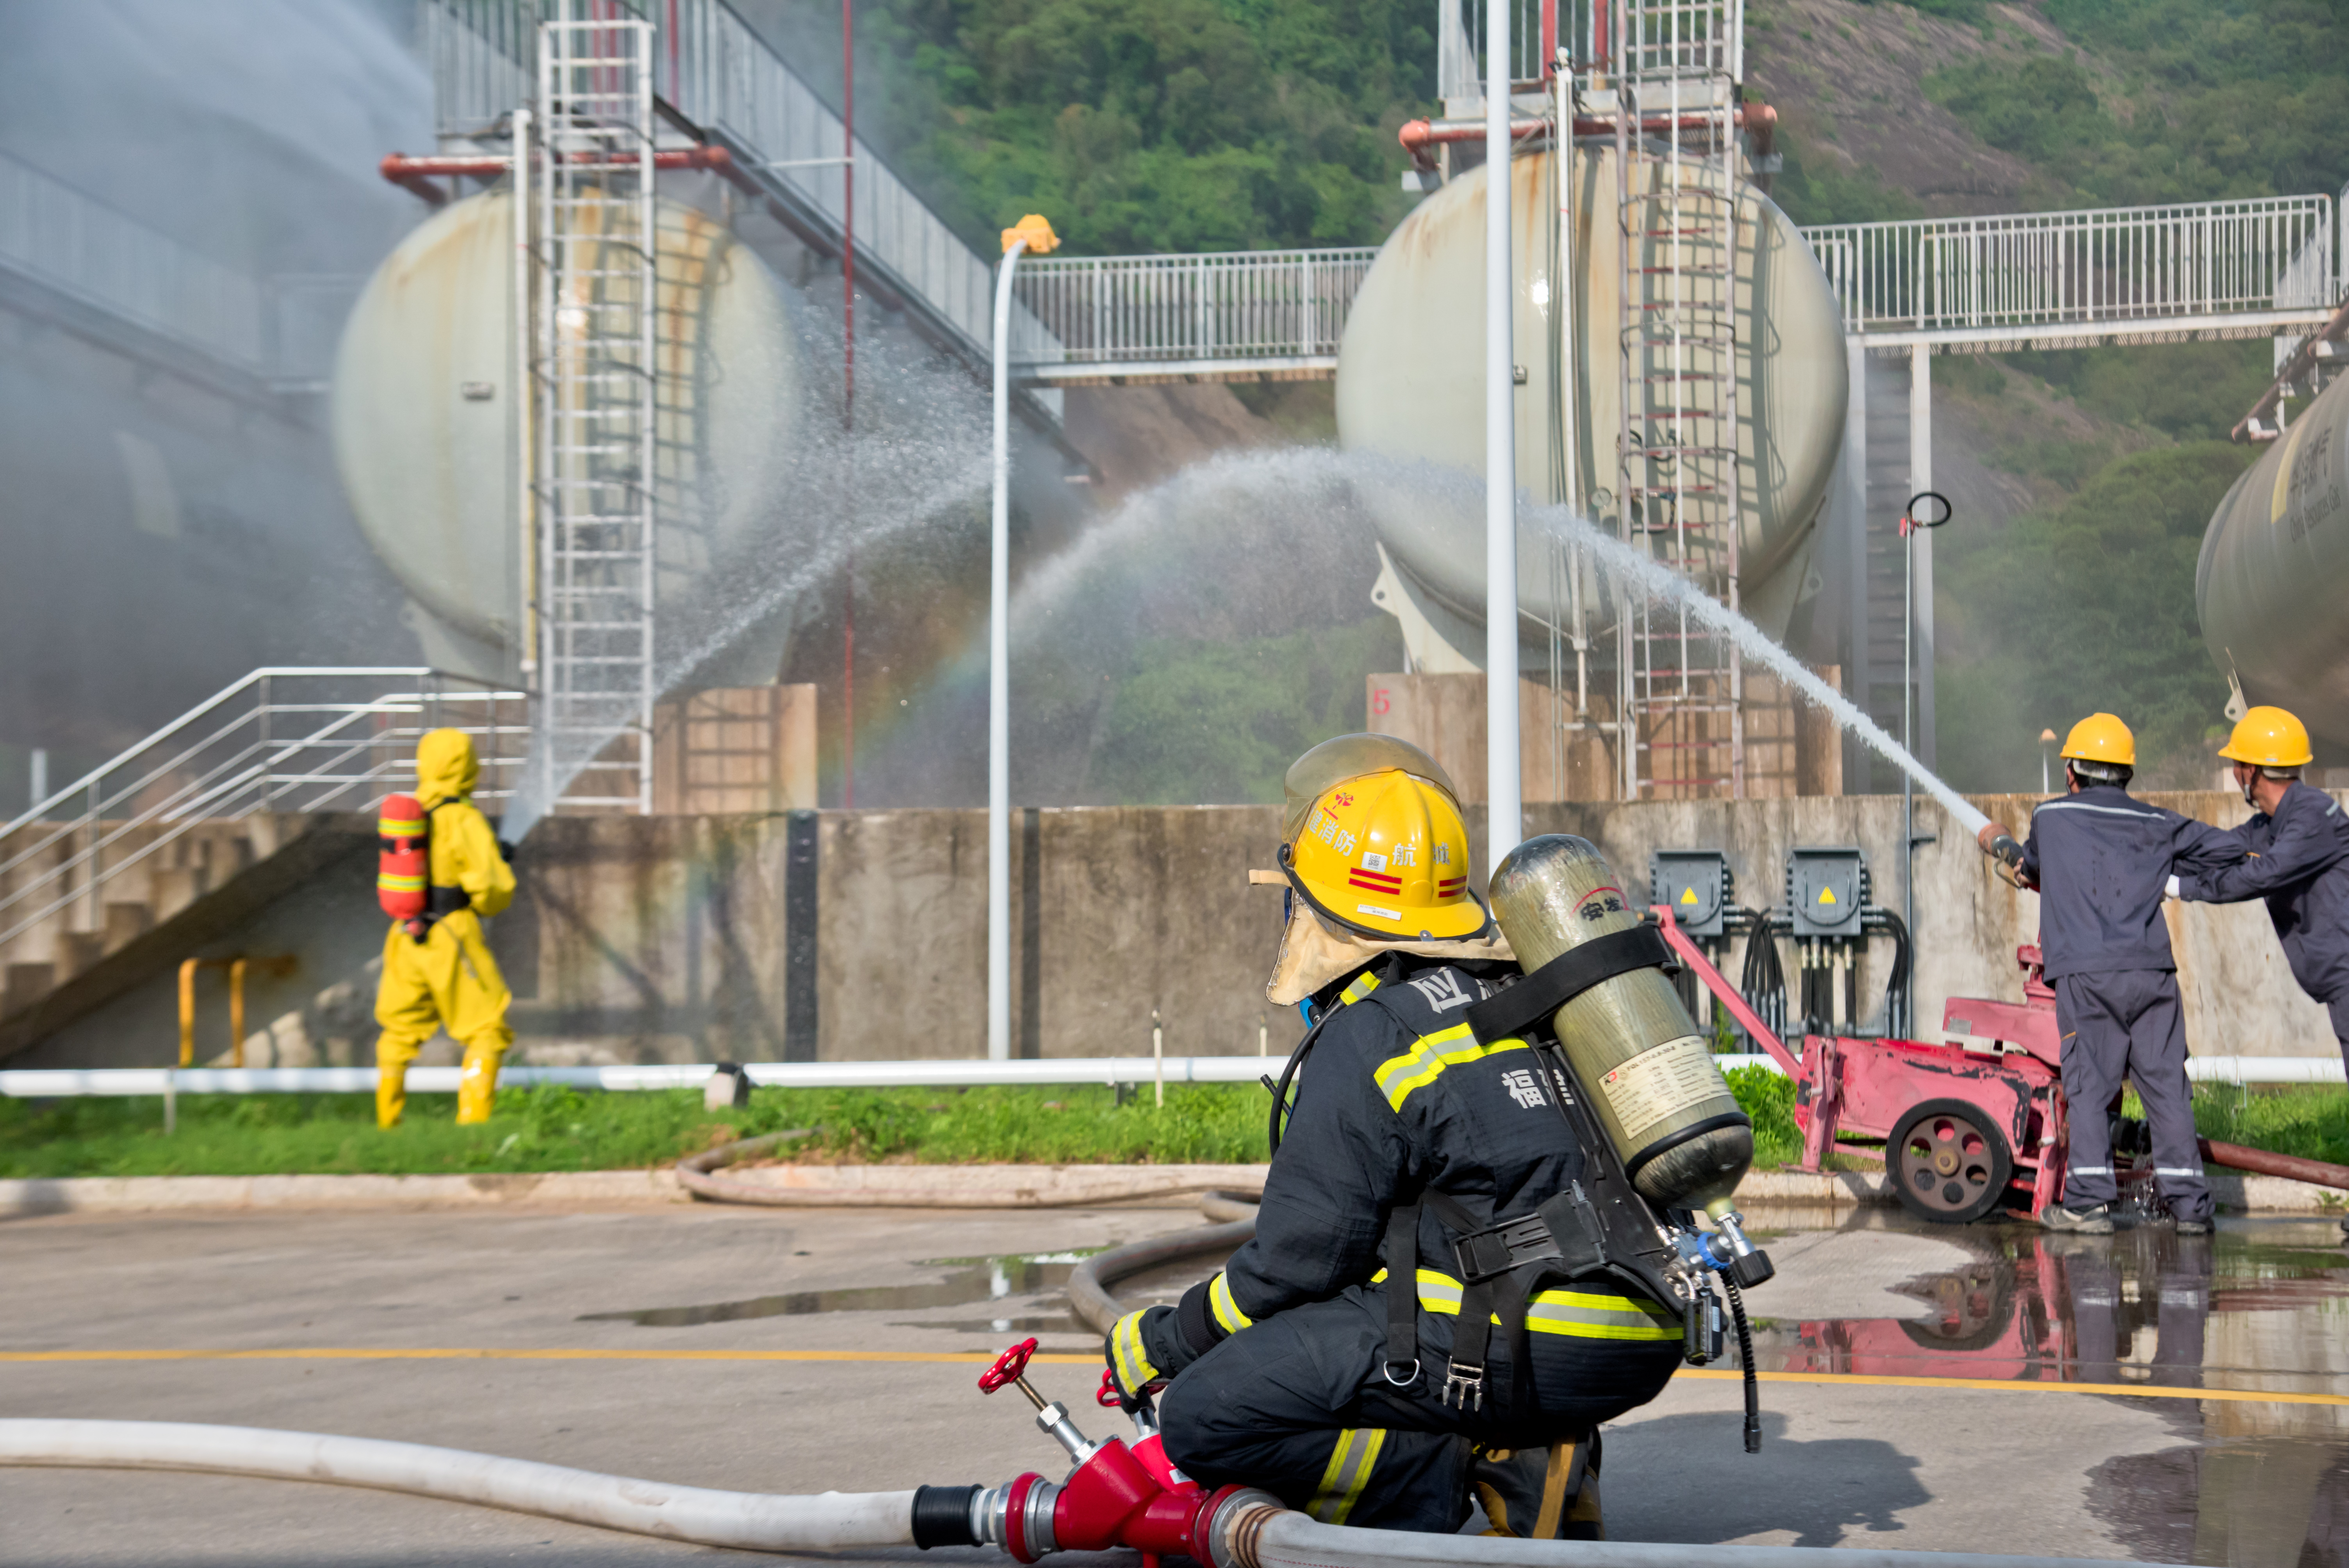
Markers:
point(971, 1281)
point(2260, 1308)
point(2145, 1305)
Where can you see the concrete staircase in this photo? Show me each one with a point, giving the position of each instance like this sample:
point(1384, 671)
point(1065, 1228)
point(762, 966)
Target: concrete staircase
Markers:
point(208, 878)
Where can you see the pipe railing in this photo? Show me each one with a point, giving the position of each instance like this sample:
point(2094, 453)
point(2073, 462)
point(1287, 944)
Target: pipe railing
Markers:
point(2121, 265)
point(283, 738)
point(1097, 312)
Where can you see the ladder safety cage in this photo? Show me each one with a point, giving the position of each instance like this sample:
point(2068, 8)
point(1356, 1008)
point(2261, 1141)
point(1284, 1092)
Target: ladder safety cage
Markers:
point(1673, 65)
point(592, 172)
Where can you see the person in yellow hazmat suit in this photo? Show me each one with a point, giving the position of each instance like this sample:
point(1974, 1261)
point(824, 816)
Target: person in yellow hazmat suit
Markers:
point(446, 978)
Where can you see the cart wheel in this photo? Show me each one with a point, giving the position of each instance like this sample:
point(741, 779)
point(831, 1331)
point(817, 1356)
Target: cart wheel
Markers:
point(1949, 1161)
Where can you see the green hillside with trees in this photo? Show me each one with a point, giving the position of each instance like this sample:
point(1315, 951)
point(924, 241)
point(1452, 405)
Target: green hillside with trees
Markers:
point(1179, 125)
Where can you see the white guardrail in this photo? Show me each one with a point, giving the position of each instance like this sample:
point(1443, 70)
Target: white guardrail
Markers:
point(57, 1083)
point(283, 738)
point(1993, 278)
point(1223, 310)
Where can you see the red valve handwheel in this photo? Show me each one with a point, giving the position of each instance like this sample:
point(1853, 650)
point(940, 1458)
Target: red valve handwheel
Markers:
point(1008, 1368)
point(1106, 1396)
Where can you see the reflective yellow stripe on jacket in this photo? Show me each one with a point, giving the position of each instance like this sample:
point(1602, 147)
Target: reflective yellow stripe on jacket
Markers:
point(1228, 1310)
point(1350, 1463)
point(1578, 1313)
point(1428, 1054)
point(1133, 1363)
point(1363, 984)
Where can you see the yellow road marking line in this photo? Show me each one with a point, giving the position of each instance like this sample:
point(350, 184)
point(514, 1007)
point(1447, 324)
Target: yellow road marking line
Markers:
point(980, 1358)
point(2021, 1386)
point(370, 1352)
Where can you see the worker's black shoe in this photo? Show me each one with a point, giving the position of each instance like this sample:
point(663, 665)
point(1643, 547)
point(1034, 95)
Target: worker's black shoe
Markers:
point(2188, 1226)
point(2096, 1221)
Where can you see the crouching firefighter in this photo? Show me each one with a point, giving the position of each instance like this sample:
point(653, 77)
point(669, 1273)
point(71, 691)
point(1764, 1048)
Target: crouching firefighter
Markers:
point(1453, 1281)
point(437, 969)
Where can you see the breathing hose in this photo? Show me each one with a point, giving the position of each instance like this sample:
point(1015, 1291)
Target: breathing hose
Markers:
point(1745, 1360)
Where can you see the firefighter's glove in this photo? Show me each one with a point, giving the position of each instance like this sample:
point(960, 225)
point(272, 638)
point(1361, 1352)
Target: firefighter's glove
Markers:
point(1136, 1350)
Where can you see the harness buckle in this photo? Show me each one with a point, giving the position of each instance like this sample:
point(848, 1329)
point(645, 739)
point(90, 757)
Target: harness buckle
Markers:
point(1494, 1251)
point(1464, 1385)
point(1387, 1371)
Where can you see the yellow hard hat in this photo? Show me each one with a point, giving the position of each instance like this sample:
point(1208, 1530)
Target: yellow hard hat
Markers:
point(2100, 737)
point(2269, 738)
point(1385, 853)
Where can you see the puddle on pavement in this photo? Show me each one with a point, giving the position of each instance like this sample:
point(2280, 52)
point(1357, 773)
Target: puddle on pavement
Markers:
point(970, 1281)
point(2261, 1307)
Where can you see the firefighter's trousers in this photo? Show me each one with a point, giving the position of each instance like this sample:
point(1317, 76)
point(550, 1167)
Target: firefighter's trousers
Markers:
point(2129, 1022)
point(447, 981)
point(1299, 1404)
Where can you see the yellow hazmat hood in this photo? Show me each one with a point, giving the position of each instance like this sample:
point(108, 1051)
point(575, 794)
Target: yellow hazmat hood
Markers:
point(446, 768)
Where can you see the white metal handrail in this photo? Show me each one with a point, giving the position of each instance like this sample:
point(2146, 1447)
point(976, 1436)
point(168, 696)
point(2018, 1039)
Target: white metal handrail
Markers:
point(289, 739)
point(1228, 304)
point(2059, 269)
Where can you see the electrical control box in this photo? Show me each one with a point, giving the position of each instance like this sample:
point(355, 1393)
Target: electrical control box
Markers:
point(1826, 889)
point(1695, 885)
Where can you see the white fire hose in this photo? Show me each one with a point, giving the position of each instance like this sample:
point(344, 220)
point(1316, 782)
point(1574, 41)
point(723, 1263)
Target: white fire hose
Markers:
point(1263, 1537)
point(748, 1520)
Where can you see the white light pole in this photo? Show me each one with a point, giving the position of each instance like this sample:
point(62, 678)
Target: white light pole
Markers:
point(1031, 234)
point(1503, 784)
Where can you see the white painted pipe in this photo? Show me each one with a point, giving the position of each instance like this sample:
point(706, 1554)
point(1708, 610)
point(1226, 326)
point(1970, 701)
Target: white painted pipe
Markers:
point(26, 1083)
point(998, 683)
point(833, 1521)
point(1504, 785)
point(71, 1083)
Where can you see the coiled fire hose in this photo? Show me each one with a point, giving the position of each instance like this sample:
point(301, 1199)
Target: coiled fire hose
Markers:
point(1231, 1528)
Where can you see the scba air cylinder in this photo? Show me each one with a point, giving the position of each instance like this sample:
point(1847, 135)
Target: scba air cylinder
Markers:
point(1640, 1058)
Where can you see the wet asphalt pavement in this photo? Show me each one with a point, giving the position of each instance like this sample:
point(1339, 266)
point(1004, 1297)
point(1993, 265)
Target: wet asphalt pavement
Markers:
point(2144, 1395)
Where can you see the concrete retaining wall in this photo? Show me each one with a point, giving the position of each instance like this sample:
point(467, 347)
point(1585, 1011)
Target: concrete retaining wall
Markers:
point(836, 936)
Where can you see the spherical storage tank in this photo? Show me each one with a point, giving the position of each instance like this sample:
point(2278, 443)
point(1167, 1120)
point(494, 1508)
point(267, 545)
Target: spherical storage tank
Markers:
point(1411, 375)
point(2273, 577)
point(425, 433)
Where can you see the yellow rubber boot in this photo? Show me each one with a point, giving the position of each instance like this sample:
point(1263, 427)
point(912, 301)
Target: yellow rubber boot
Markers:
point(392, 1054)
point(477, 1086)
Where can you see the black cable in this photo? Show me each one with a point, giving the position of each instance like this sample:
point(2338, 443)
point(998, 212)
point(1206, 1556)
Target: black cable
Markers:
point(1746, 1359)
point(1896, 1021)
point(1762, 981)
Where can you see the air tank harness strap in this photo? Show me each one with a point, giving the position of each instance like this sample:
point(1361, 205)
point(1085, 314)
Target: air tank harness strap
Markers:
point(1500, 1267)
point(439, 901)
point(1511, 1012)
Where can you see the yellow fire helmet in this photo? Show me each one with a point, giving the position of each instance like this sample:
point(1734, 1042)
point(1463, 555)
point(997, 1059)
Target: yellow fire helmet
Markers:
point(1374, 842)
point(2100, 737)
point(2269, 738)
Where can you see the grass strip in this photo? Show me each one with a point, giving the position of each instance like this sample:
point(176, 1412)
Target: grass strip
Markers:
point(554, 1128)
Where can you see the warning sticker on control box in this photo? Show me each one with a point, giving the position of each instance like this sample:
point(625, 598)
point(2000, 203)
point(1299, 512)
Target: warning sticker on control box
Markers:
point(1660, 1083)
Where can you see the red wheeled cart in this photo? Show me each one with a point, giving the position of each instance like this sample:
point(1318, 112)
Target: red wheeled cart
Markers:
point(1960, 1130)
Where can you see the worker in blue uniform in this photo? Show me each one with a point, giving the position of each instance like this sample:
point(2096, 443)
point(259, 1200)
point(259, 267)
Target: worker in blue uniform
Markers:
point(1294, 1369)
point(2298, 859)
point(2102, 861)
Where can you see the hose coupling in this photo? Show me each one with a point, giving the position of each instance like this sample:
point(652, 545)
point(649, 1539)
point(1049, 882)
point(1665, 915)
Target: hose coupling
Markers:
point(1016, 1516)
